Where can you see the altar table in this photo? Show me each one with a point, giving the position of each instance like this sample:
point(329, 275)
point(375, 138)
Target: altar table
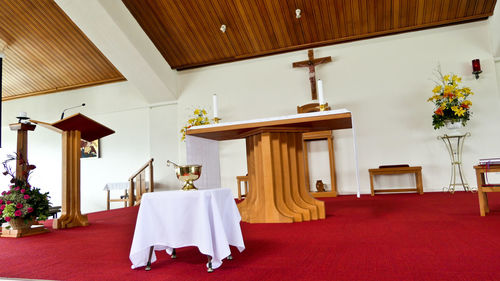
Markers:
point(207, 219)
point(275, 162)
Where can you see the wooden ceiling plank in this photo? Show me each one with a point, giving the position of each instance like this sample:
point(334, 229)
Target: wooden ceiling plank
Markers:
point(452, 9)
point(306, 22)
point(348, 18)
point(327, 13)
point(471, 7)
point(430, 8)
point(356, 19)
point(56, 44)
point(249, 25)
point(280, 29)
point(239, 37)
point(396, 12)
point(462, 8)
point(292, 23)
point(149, 19)
point(364, 15)
point(210, 28)
point(490, 6)
point(224, 39)
point(198, 44)
point(45, 49)
point(339, 15)
point(318, 22)
point(372, 16)
point(330, 13)
point(420, 12)
point(268, 23)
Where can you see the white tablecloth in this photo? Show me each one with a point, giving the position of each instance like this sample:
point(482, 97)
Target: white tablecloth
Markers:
point(208, 219)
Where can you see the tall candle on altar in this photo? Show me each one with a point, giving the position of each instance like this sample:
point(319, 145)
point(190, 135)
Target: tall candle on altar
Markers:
point(321, 97)
point(214, 99)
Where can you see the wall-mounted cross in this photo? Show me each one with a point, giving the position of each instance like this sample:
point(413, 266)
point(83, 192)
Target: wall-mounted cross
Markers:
point(311, 64)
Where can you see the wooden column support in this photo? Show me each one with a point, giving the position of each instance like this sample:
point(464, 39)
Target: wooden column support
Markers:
point(276, 176)
point(70, 214)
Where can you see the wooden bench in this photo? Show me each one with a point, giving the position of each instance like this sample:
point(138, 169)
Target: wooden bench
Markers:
point(395, 170)
point(483, 188)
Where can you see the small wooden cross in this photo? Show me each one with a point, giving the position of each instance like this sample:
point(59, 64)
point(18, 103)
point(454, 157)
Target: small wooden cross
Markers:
point(311, 63)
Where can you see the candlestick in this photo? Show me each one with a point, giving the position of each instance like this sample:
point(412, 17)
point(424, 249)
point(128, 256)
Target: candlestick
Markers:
point(214, 99)
point(321, 97)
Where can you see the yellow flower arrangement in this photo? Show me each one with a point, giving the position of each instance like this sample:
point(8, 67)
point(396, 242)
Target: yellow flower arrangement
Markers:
point(450, 100)
point(199, 118)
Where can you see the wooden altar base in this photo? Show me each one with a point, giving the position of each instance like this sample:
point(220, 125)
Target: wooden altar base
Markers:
point(276, 175)
point(18, 233)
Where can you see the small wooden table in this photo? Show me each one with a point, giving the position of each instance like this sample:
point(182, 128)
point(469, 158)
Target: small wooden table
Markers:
point(417, 170)
point(483, 188)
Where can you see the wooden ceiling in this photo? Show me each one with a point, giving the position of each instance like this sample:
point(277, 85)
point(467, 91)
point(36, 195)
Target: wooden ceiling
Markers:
point(44, 51)
point(187, 32)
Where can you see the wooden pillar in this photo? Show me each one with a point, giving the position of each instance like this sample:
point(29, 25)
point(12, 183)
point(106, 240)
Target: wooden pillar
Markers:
point(22, 148)
point(278, 191)
point(70, 214)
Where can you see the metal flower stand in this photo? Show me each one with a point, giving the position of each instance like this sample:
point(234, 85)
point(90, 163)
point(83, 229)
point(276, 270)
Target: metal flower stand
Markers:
point(454, 144)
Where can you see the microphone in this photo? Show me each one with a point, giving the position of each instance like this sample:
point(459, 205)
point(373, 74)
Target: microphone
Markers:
point(62, 115)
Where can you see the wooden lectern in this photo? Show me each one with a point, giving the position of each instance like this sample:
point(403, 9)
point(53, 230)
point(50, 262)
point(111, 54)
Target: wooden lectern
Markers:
point(275, 160)
point(73, 129)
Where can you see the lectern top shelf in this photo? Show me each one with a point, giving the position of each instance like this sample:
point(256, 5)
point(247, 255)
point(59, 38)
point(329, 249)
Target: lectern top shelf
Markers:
point(90, 129)
point(314, 121)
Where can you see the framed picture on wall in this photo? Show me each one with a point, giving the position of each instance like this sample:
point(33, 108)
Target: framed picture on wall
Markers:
point(89, 149)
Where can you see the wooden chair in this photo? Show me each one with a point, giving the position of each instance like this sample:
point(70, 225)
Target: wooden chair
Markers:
point(123, 198)
point(319, 135)
point(138, 186)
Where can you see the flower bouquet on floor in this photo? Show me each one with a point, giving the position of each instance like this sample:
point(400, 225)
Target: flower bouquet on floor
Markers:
point(451, 102)
point(21, 205)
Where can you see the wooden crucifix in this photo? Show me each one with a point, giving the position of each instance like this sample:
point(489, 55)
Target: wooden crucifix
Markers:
point(311, 64)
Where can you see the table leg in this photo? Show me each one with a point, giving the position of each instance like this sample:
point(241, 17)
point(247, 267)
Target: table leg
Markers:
point(148, 265)
point(107, 202)
point(174, 254)
point(209, 264)
point(371, 184)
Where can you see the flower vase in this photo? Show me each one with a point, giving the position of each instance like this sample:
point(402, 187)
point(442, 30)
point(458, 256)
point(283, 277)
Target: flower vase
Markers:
point(453, 128)
point(20, 224)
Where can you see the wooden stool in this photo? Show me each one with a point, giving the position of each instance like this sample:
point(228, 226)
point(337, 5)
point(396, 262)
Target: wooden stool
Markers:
point(243, 179)
point(394, 170)
point(483, 188)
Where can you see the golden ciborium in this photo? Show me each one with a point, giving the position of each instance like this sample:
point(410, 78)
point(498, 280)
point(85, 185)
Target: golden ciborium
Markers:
point(187, 174)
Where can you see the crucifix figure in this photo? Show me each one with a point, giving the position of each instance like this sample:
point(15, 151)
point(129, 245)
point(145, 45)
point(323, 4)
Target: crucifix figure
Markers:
point(311, 64)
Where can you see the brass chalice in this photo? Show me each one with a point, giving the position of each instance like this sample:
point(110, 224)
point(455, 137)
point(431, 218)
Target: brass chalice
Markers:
point(187, 174)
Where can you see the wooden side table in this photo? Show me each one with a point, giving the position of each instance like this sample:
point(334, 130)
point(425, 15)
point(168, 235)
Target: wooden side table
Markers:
point(417, 170)
point(483, 188)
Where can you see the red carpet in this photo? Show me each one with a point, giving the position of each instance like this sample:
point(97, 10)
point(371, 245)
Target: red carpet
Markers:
point(435, 236)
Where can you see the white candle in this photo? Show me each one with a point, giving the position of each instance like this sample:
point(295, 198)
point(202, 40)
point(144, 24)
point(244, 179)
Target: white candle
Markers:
point(23, 114)
point(321, 98)
point(215, 106)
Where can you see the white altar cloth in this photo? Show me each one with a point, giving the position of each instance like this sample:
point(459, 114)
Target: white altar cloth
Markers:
point(208, 219)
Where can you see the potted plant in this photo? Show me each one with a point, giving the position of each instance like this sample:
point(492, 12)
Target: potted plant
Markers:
point(452, 107)
point(21, 204)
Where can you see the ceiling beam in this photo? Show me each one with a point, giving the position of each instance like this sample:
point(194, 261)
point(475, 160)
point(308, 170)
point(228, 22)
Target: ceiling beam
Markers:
point(110, 26)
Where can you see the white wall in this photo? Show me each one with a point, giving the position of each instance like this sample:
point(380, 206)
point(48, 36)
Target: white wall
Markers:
point(141, 132)
point(384, 81)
